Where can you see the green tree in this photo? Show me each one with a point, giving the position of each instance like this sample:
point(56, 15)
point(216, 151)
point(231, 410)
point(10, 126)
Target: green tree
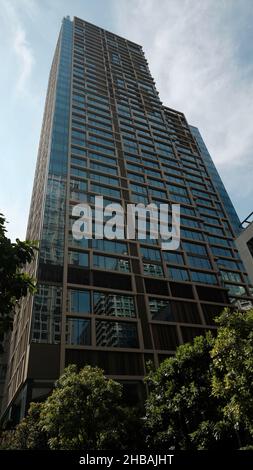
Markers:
point(85, 411)
point(181, 412)
point(28, 434)
point(203, 397)
point(14, 282)
point(232, 380)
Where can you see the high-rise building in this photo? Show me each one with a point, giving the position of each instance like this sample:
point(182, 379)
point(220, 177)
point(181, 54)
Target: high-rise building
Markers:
point(117, 303)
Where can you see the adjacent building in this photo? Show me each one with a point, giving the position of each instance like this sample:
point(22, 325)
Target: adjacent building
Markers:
point(117, 303)
point(244, 243)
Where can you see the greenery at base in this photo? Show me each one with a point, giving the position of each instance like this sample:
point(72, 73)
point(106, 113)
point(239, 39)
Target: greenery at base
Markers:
point(202, 398)
point(199, 399)
point(84, 411)
point(232, 378)
point(14, 282)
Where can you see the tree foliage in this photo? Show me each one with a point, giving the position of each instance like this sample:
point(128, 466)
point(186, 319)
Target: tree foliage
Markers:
point(28, 434)
point(202, 398)
point(84, 412)
point(181, 412)
point(14, 282)
point(232, 380)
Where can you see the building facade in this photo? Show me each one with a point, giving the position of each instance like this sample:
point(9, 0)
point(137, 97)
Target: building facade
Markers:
point(116, 303)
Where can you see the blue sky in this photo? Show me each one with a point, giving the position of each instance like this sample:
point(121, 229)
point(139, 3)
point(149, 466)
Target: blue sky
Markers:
point(200, 55)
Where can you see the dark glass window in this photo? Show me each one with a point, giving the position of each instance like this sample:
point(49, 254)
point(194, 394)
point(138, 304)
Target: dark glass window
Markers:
point(46, 318)
point(230, 276)
point(165, 337)
point(235, 290)
point(199, 262)
point(178, 274)
point(116, 334)
point(203, 277)
point(78, 185)
point(79, 301)
point(173, 258)
point(133, 176)
point(106, 169)
point(194, 248)
point(138, 188)
point(116, 305)
point(106, 262)
point(191, 234)
point(105, 191)
point(104, 179)
point(220, 251)
point(173, 311)
point(230, 264)
point(102, 158)
point(153, 269)
point(150, 253)
point(78, 172)
point(78, 258)
point(113, 246)
point(78, 161)
point(78, 331)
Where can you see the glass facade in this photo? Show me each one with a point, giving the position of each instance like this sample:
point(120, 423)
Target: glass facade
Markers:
point(228, 205)
point(52, 237)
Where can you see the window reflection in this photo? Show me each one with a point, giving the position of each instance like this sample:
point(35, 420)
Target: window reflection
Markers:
point(116, 334)
point(114, 305)
point(115, 264)
point(174, 311)
point(79, 301)
point(78, 331)
point(46, 320)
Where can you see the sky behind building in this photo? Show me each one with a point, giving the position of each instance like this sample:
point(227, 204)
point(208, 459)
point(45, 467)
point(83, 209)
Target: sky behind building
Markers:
point(199, 52)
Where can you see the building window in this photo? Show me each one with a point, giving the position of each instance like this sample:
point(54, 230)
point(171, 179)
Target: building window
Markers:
point(115, 305)
point(173, 258)
point(113, 246)
point(173, 311)
point(235, 290)
point(104, 191)
point(178, 274)
point(230, 276)
point(46, 318)
point(115, 264)
point(150, 253)
point(152, 270)
point(78, 185)
point(78, 301)
point(199, 262)
point(194, 248)
point(78, 258)
point(203, 277)
point(78, 331)
point(116, 334)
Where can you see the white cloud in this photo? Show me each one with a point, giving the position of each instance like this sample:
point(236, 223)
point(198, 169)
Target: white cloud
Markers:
point(25, 57)
point(19, 43)
point(193, 53)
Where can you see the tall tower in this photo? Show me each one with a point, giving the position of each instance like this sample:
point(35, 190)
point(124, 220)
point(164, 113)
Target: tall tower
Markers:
point(116, 303)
